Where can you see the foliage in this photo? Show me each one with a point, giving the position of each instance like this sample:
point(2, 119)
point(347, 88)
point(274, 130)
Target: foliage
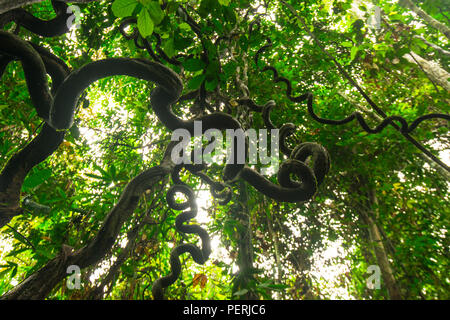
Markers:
point(118, 138)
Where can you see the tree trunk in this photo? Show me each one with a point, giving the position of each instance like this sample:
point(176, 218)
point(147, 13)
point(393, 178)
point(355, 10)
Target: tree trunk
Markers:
point(40, 284)
point(432, 69)
point(425, 16)
point(434, 46)
point(382, 258)
point(363, 190)
point(245, 254)
point(279, 270)
point(7, 5)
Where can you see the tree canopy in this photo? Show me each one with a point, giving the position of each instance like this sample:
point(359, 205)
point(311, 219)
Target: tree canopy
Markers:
point(91, 92)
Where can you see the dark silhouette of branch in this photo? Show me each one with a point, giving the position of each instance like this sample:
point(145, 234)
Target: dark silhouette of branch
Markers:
point(57, 107)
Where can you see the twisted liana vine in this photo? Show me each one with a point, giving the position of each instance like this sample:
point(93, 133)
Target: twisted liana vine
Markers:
point(404, 129)
point(404, 126)
point(45, 28)
point(57, 105)
point(199, 255)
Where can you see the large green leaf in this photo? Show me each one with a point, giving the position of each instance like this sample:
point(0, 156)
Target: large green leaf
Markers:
point(123, 8)
point(36, 178)
point(194, 64)
point(155, 11)
point(196, 81)
point(145, 23)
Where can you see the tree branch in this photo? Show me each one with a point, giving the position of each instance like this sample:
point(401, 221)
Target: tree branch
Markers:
point(425, 16)
point(7, 5)
point(434, 46)
point(40, 283)
point(341, 69)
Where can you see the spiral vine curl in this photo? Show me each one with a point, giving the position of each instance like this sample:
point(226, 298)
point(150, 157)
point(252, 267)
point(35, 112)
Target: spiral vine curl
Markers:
point(308, 96)
point(56, 106)
point(405, 129)
point(199, 255)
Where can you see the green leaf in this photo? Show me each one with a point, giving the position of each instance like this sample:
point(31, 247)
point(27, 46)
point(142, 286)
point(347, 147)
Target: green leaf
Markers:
point(277, 286)
point(43, 253)
point(181, 43)
point(230, 68)
point(169, 47)
point(123, 8)
point(347, 44)
point(128, 269)
point(113, 171)
point(155, 11)
point(36, 178)
point(14, 253)
point(94, 176)
point(218, 25)
point(145, 23)
point(229, 15)
point(213, 69)
point(195, 82)
point(353, 52)
point(243, 42)
point(184, 26)
point(172, 7)
point(240, 292)
point(207, 7)
point(75, 132)
point(211, 85)
point(61, 193)
point(4, 272)
point(14, 272)
point(224, 2)
point(103, 172)
point(20, 238)
point(194, 64)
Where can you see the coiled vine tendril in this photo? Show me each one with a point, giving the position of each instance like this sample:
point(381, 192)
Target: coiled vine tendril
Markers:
point(404, 127)
point(57, 107)
point(199, 255)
